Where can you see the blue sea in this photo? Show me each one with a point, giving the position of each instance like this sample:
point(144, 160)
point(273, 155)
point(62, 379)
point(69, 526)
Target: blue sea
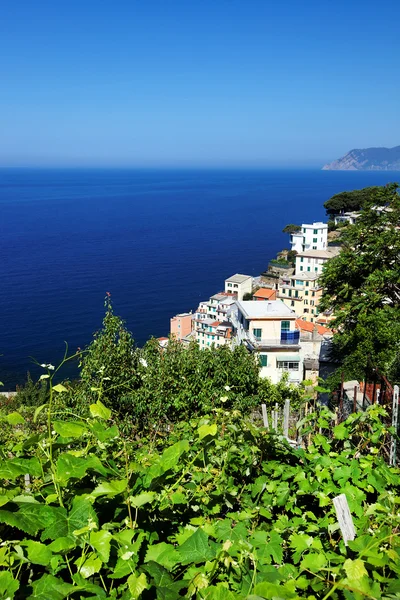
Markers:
point(159, 240)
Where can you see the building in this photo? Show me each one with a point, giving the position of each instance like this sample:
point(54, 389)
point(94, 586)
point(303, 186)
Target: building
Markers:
point(208, 332)
point(312, 337)
point(302, 294)
point(313, 261)
point(269, 328)
point(216, 308)
point(239, 285)
point(311, 237)
point(181, 325)
point(346, 217)
point(264, 294)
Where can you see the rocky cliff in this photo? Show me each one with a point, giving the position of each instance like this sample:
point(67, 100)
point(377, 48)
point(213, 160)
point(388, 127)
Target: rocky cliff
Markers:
point(369, 159)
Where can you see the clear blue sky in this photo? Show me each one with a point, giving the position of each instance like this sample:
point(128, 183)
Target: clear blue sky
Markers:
point(196, 82)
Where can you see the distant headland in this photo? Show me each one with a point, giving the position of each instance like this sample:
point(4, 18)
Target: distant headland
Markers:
point(368, 159)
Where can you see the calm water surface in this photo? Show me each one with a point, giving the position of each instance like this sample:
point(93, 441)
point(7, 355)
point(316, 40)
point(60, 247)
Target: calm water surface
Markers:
point(159, 241)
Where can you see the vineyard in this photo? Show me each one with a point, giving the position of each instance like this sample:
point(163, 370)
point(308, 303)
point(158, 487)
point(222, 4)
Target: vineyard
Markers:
point(217, 508)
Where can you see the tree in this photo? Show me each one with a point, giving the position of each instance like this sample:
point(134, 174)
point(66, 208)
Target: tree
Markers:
point(362, 286)
point(291, 228)
point(353, 200)
point(110, 364)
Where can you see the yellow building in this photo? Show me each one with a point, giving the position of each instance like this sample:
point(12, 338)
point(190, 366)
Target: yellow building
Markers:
point(302, 294)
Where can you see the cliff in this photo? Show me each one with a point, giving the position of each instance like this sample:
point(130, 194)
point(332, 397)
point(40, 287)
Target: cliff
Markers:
point(368, 159)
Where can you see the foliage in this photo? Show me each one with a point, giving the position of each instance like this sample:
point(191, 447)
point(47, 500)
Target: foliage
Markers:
point(110, 363)
point(353, 200)
point(291, 256)
point(362, 286)
point(248, 295)
point(219, 508)
point(291, 228)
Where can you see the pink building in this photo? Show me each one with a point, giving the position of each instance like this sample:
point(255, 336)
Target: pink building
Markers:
point(181, 325)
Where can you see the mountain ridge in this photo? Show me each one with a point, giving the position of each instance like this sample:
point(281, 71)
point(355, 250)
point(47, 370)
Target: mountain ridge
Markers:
point(367, 159)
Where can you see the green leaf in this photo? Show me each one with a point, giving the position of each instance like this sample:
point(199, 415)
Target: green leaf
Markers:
point(38, 411)
point(69, 428)
point(196, 549)
point(88, 565)
point(169, 458)
point(100, 540)
point(110, 488)
point(49, 587)
point(62, 544)
point(100, 411)
point(341, 432)
point(64, 524)
point(272, 591)
point(12, 468)
point(275, 547)
point(163, 554)
point(355, 569)
point(137, 584)
point(38, 554)
point(70, 466)
point(8, 585)
point(141, 499)
point(313, 562)
point(59, 388)
point(14, 418)
point(31, 518)
point(205, 430)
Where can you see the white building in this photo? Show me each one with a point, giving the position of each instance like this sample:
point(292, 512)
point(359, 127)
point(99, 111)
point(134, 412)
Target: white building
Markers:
point(311, 237)
point(346, 217)
point(269, 328)
point(313, 261)
point(239, 284)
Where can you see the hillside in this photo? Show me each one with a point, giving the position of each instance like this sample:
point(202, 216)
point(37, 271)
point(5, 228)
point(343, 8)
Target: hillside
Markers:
point(367, 159)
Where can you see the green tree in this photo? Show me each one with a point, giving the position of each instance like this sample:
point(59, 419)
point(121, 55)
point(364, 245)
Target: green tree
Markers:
point(362, 287)
point(353, 200)
point(110, 363)
point(291, 228)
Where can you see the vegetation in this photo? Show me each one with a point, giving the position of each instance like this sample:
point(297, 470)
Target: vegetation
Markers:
point(249, 295)
point(291, 228)
point(362, 286)
point(217, 508)
point(353, 200)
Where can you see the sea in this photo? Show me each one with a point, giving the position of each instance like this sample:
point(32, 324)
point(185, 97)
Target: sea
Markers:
point(159, 241)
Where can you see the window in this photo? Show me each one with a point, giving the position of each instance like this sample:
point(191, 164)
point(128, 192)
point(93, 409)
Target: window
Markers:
point(306, 310)
point(307, 284)
point(314, 247)
point(301, 259)
point(235, 285)
point(308, 268)
point(287, 365)
point(257, 334)
point(315, 240)
point(292, 303)
point(305, 301)
point(304, 230)
point(301, 268)
point(306, 293)
point(299, 282)
point(290, 293)
point(312, 320)
point(285, 325)
point(315, 232)
point(316, 269)
point(313, 294)
point(229, 285)
point(312, 302)
point(263, 360)
point(296, 294)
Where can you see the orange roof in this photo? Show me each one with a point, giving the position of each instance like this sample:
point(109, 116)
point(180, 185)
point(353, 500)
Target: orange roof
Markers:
point(306, 326)
point(162, 339)
point(265, 293)
point(215, 324)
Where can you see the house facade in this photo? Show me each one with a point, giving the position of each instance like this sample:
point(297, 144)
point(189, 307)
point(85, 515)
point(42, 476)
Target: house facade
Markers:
point(239, 284)
point(312, 236)
point(313, 261)
point(208, 332)
point(269, 329)
point(181, 325)
point(302, 294)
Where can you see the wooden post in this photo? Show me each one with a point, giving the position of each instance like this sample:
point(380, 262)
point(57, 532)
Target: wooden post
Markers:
point(265, 416)
point(276, 417)
point(27, 483)
point(378, 395)
point(344, 518)
point(355, 399)
point(395, 414)
point(286, 413)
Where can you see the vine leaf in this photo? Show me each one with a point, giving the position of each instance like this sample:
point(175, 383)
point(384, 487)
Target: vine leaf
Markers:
point(196, 549)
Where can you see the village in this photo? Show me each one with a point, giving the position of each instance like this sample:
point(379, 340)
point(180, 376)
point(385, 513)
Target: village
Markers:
point(274, 315)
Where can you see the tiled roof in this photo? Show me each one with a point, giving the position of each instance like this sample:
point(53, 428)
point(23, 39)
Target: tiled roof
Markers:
point(264, 293)
point(306, 326)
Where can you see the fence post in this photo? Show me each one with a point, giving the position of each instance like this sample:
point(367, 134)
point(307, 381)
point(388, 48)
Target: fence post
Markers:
point(276, 412)
point(265, 416)
point(286, 413)
point(395, 413)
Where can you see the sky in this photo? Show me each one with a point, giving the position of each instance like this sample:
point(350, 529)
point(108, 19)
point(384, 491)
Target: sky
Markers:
point(196, 82)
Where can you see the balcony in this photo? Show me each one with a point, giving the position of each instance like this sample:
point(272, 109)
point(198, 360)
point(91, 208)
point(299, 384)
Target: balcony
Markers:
point(288, 339)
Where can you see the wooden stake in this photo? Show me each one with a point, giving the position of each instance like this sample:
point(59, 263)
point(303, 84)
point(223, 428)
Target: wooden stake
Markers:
point(395, 414)
point(286, 413)
point(344, 518)
point(265, 416)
